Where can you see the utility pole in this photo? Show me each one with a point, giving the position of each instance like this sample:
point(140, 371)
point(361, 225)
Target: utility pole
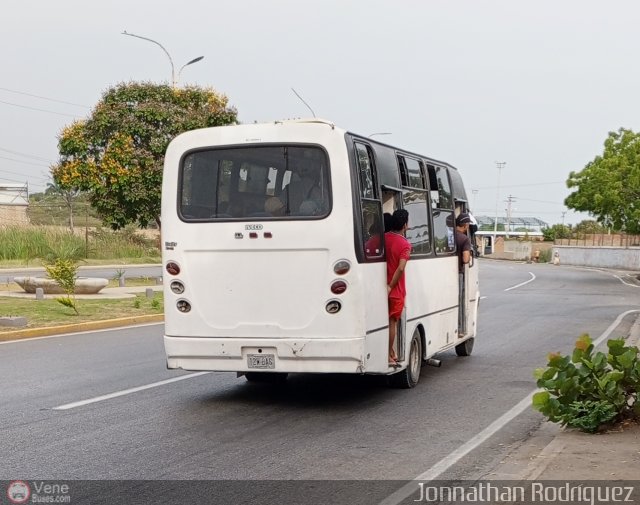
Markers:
point(509, 201)
point(500, 165)
point(475, 197)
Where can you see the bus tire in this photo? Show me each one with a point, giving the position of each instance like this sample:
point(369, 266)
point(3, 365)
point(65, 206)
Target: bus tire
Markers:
point(465, 348)
point(409, 377)
point(267, 377)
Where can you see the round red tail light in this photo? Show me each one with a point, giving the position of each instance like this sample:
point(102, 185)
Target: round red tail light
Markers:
point(338, 287)
point(173, 268)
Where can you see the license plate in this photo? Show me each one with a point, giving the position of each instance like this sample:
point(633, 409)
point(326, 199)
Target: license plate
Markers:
point(261, 360)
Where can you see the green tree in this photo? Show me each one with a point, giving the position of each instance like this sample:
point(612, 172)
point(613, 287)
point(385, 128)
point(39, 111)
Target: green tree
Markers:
point(589, 226)
point(556, 231)
point(609, 186)
point(51, 208)
point(68, 196)
point(116, 154)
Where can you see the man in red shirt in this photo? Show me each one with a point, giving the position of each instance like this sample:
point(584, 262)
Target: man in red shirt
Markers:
point(398, 250)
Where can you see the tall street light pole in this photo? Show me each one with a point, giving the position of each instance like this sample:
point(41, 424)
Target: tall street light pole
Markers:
point(195, 60)
point(500, 165)
point(174, 79)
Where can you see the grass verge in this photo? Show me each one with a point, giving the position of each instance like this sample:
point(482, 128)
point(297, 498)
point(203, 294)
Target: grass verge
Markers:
point(49, 312)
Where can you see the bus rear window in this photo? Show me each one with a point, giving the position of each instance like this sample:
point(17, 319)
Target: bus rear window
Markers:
point(254, 183)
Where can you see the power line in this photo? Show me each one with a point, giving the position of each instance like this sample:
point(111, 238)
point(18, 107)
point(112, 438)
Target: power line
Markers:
point(13, 173)
point(26, 155)
point(44, 98)
point(524, 185)
point(541, 201)
point(25, 162)
point(40, 110)
point(11, 180)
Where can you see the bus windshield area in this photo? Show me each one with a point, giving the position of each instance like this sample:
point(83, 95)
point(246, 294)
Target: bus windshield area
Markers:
point(254, 183)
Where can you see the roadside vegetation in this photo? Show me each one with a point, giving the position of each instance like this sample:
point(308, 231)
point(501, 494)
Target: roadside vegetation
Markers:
point(49, 312)
point(29, 245)
point(61, 252)
point(590, 390)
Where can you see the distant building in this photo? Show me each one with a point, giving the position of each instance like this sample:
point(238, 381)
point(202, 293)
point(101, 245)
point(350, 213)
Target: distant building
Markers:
point(511, 224)
point(506, 229)
point(14, 201)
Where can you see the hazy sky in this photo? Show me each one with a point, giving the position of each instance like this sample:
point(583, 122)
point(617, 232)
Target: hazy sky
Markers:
point(535, 84)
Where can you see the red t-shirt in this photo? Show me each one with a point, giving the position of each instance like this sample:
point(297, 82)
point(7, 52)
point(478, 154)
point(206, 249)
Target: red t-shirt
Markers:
point(397, 248)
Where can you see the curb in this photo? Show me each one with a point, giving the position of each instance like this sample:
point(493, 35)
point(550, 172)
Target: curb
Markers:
point(79, 327)
point(539, 451)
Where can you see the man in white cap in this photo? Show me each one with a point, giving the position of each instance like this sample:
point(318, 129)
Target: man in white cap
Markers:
point(463, 246)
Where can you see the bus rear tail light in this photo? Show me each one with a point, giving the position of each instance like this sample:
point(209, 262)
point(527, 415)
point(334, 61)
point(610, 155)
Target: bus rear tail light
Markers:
point(173, 268)
point(342, 267)
point(333, 306)
point(183, 306)
point(177, 287)
point(338, 287)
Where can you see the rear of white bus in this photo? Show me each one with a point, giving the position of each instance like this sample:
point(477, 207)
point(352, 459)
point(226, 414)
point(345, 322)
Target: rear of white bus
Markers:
point(260, 270)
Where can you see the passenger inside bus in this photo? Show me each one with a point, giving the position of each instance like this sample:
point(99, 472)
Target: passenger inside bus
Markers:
point(274, 206)
point(305, 186)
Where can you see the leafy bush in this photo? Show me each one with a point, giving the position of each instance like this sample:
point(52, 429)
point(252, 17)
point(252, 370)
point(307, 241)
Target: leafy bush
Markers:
point(64, 272)
point(545, 256)
point(588, 390)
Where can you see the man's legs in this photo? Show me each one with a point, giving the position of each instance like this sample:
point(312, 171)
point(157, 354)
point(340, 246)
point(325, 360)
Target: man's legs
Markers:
point(393, 328)
point(395, 313)
point(461, 315)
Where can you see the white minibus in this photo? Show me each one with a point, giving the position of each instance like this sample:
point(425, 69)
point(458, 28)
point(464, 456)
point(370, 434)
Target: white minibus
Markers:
point(274, 259)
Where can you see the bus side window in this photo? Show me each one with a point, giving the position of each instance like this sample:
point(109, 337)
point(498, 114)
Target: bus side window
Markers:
point(372, 226)
point(443, 214)
point(374, 230)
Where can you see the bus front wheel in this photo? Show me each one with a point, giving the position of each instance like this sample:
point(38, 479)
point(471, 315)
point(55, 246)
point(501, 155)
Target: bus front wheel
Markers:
point(410, 376)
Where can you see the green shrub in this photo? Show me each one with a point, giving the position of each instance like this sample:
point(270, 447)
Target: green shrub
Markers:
point(545, 256)
point(64, 272)
point(588, 390)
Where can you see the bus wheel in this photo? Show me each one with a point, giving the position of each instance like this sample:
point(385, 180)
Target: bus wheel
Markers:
point(267, 377)
point(410, 376)
point(465, 348)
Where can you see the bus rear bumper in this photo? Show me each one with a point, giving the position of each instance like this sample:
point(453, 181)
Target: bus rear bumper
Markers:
point(318, 355)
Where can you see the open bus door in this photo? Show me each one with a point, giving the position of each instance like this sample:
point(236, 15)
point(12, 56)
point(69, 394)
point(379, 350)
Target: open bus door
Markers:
point(471, 295)
point(392, 201)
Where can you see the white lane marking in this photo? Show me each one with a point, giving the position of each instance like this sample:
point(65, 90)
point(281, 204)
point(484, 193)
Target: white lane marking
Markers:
point(533, 278)
point(452, 458)
point(73, 405)
point(608, 273)
point(625, 282)
point(31, 339)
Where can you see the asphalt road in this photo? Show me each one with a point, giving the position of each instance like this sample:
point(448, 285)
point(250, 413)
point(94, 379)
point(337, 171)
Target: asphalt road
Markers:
point(216, 426)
